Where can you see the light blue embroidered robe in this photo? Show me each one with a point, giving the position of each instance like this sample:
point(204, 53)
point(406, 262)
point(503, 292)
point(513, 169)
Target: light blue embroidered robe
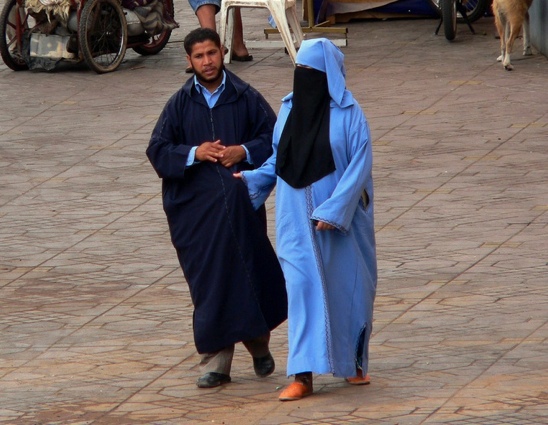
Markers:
point(331, 276)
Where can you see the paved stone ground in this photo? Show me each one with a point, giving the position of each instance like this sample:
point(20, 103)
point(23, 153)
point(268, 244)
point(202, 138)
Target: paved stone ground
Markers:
point(95, 317)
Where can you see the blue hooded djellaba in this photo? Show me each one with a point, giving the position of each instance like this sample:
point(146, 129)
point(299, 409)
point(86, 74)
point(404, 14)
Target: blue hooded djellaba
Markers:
point(235, 280)
point(331, 276)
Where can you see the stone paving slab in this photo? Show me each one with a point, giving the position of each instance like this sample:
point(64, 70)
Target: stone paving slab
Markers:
point(95, 317)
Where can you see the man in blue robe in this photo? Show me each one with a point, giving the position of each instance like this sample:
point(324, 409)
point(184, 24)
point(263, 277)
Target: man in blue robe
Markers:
point(215, 125)
point(322, 166)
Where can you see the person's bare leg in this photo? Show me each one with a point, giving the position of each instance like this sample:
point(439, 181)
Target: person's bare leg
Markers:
point(206, 16)
point(238, 46)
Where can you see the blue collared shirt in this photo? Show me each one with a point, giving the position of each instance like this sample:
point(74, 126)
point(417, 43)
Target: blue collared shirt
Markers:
point(211, 98)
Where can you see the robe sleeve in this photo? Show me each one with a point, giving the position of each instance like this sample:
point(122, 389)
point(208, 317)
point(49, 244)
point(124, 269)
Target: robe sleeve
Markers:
point(261, 182)
point(166, 151)
point(340, 207)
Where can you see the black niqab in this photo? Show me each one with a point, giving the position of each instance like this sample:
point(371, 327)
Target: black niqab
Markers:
point(304, 152)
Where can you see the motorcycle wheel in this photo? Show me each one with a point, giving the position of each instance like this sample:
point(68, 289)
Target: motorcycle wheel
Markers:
point(157, 42)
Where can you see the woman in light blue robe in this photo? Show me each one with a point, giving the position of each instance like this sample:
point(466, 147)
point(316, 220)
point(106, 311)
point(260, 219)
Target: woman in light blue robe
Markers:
point(325, 235)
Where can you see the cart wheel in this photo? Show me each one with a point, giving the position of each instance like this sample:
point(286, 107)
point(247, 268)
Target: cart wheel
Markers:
point(449, 17)
point(102, 35)
point(157, 42)
point(14, 22)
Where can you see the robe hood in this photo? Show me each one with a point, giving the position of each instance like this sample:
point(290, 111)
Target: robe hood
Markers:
point(323, 55)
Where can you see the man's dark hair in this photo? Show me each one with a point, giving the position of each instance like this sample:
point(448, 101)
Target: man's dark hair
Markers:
point(199, 35)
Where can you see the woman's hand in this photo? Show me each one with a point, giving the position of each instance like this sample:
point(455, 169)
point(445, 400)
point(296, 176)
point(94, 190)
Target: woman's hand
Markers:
point(324, 226)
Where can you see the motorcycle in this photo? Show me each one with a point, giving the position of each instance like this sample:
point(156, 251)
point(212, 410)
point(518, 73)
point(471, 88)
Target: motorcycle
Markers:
point(38, 34)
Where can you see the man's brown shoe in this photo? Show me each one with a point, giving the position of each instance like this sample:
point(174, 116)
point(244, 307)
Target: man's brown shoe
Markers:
point(295, 391)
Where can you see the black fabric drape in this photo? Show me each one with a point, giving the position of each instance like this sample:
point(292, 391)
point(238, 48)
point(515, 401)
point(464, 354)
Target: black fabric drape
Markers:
point(304, 152)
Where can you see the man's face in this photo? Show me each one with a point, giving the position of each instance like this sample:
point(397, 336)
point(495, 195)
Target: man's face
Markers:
point(207, 61)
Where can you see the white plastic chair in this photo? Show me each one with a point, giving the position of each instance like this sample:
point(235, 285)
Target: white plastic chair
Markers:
point(284, 13)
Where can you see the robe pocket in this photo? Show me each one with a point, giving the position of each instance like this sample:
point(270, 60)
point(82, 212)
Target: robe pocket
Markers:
point(364, 200)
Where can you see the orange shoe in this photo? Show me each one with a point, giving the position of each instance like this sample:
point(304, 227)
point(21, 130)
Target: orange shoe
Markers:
point(295, 391)
point(359, 380)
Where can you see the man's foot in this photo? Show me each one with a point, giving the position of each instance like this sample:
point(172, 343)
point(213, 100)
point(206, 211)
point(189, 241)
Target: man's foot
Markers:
point(240, 54)
point(302, 387)
point(212, 380)
point(243, 58)
point(264, 366)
